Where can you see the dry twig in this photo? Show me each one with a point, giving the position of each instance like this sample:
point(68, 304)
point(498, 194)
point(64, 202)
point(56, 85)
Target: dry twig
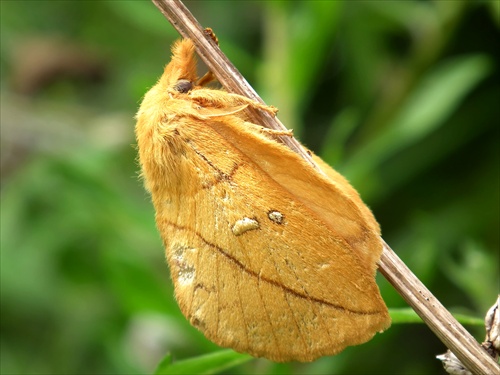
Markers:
point(432, 312)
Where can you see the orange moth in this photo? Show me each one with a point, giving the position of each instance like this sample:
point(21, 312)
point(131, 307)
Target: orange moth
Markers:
point(267, 255)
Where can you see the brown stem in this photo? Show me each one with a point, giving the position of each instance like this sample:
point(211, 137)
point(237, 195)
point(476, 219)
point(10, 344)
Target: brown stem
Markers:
point(435, 315)
point(432, 312)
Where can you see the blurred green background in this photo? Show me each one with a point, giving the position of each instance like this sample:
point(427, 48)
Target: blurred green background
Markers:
point(401, 97)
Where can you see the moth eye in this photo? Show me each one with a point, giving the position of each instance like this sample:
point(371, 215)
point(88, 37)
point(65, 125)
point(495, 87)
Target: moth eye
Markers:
point(183, 86)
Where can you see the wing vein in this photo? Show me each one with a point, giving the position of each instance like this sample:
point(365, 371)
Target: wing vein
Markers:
point(270, 281)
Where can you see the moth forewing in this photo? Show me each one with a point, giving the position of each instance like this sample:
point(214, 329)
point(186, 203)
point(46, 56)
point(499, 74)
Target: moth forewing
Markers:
point(267, 255)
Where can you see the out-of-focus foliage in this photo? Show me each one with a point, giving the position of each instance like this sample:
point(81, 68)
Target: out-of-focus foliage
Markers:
point(402, 97)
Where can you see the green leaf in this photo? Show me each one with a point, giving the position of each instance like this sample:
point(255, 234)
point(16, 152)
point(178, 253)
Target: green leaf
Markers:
point(469, 320)
point(408, 316)
point(212, 363)
point(342, 127)
point(404, 316)
point(473, 272)
point(429, 106)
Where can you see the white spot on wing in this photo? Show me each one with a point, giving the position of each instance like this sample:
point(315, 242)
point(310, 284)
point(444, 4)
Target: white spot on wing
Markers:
point(276, 217)
point(244, 225)
point(323, 266)
point(181, 256)
point(186, 274)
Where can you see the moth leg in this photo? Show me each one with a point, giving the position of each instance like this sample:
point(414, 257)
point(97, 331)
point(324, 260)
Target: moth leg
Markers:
point(221, 99)
point(270, 132)
point(274, 132)
point(206, 79)
point(210, 33)
point(209, 76)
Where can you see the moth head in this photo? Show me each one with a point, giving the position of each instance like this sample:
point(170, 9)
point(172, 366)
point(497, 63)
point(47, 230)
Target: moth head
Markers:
point(180, 74)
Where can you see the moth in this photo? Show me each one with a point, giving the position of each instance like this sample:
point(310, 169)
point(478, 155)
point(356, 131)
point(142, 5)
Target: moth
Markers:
point(268, 255)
